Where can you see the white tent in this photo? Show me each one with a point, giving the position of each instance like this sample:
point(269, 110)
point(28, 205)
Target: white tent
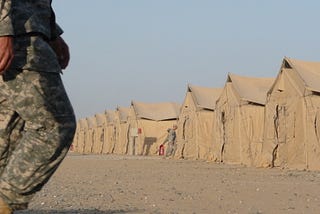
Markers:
point(240, 119)
point(148, 124)
point(292, 127)
point(196, 120)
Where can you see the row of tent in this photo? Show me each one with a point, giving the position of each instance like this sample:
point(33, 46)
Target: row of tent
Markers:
point(262, 122)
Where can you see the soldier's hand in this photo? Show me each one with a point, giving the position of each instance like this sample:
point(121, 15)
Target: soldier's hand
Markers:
point(61, 49)
point(6, 53)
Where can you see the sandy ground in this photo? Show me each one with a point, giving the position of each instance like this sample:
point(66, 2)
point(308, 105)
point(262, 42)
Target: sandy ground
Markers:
point(111, 184)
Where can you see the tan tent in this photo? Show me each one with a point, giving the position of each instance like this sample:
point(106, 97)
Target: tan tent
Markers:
point(81, 136)
point(90, 137)
point(109, 132)
point(101, 121)
point(194, 133)
point(240, 119)
point(74, 146)
point(121, 129)
point(292, 127)
point(148, 124)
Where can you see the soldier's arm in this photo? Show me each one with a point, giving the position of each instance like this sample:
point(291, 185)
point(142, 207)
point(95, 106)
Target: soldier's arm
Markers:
point(6, 33)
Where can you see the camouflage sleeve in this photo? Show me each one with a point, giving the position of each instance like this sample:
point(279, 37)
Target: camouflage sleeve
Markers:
point(6, 27)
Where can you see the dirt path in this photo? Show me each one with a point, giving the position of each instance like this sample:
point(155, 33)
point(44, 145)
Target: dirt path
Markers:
point(110, 184)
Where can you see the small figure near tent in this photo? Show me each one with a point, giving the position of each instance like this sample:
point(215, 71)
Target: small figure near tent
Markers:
point(171, 139)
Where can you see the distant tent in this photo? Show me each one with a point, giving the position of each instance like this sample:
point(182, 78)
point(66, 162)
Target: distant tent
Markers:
point(148, 124)
point(74, 146)
point(109, 132)
point(240, 119)
point(82, 133)
point(194, 133)
point(121, 126)
point(292, 127)
point(90, 138)
point(101, 120)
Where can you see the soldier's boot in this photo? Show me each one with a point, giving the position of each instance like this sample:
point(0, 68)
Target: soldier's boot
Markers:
point(4, 208)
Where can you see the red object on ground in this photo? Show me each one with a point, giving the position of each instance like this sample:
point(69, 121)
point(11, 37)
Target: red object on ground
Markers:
point(161, 150)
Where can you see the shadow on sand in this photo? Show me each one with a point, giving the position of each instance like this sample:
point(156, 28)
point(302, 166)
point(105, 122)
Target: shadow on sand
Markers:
point(80, 211)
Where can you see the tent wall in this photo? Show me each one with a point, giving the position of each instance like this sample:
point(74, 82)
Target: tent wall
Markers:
point(82, 135)
point(153, 134)
point(145, 136)
point(225, 149)
point(75, 141)
point(121, 131)
point(197, 136)
point(122, 138)
point(285, 126)
point(133, 133)
point(195, 125)
point(99, 140)
point(99, 133)
point(251, 133)
point(109, 138)
point(189, 147)
point(90, 135)
point(239, 127)
point(109, 132)
point(312, 132)
point(148, 124)
point(204, 134)
point(186, 146)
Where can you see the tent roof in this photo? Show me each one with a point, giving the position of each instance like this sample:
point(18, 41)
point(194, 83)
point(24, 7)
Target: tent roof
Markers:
point(92, 122)
point(205, 97)
point(251, 89)
point(156, 111)
point(101, 118)
point(83, 123)
point(110, 116)
point(308, 71)
point(123, 113)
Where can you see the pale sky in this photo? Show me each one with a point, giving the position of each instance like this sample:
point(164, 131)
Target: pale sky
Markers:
point(150, 50)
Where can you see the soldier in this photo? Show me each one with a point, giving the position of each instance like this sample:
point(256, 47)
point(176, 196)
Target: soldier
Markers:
point(171, 139)
point(37, 122)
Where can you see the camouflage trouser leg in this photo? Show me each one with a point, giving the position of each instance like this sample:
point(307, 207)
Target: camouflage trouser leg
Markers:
point(37, 126)
point(170, 149)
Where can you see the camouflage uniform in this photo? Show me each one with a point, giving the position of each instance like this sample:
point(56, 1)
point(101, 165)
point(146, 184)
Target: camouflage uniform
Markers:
point(37, 122)
point(171, 138)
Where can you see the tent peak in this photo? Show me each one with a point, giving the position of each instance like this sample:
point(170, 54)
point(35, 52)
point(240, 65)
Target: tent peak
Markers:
point(204, 97)
point(308, 71)
point(252, 89)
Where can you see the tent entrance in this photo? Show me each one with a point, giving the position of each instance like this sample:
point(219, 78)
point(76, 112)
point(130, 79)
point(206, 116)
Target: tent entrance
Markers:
point(279, 121)
point(223, 122)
